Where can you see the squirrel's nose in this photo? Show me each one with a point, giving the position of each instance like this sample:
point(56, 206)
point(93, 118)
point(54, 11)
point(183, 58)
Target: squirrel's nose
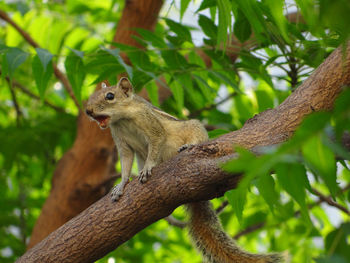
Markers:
point(89, 112)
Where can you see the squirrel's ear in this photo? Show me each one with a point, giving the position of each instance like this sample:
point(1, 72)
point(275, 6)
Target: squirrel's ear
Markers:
point(125, 85)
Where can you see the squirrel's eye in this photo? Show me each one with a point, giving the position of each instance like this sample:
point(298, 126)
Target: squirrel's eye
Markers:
point(109, 96)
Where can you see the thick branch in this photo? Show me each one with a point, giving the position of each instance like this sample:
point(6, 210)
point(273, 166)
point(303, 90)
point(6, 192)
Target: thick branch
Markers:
point(192, 175)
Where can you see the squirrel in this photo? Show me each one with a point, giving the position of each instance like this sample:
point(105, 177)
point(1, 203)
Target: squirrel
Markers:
point(140, 128)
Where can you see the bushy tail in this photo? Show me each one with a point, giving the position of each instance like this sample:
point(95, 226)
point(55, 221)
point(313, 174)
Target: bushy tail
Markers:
point(215, 245)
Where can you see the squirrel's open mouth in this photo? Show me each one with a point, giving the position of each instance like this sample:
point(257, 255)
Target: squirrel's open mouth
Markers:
point(102, 120)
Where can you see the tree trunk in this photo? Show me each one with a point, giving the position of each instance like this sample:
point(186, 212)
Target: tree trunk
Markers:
point(86, 172)
point(106, 225)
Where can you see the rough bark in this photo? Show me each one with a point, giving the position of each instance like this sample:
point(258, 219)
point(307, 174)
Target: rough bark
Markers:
point(86, 172)
point(192, 175)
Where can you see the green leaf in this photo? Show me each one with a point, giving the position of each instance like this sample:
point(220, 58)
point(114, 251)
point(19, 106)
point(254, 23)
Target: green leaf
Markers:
point(180, 30)
point(116, 54)
point(41, 74)
point(224, 7)
point(265, 101)
point(45, 57)
point(174, 59)
point(183, 7)
point(4, 66)
point(242, 28)
point(140, 59)
point(311, 125)
point(276, 8)
point(15, 57)
point(206, 4)
point(292, 177)
point(4, 48)
point(208, 26)
point(336, 241)
point(152, 90)
point(75, 72)
point(152, 38)
point(266, 187)
point(237, 199)
point(321, 160)
point(226, 80)
point(252, 12)
point(178, 92)
point(42, 70)
point(203, 85)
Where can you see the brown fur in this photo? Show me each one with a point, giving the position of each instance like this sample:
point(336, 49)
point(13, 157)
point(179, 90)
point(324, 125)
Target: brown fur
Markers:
point(139, 128)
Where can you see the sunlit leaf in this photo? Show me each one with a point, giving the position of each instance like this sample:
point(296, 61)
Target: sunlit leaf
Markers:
point(183, 7)
point(178, 92)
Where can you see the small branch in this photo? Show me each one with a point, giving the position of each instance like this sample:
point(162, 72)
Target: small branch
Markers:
point(15, 103)
point(328, 200)
point(18, 85)
point(221, 207)
point(33, 43)
point(249, 230)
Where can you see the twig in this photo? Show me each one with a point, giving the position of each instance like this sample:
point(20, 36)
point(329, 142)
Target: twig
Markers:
point(18, 85)
point(15, 103)
point(249, 229)
point(32, 42)
point(221, 207)
point(328, 200)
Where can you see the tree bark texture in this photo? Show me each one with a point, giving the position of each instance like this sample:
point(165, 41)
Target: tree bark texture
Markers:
point(192, 175)
point(86, 172)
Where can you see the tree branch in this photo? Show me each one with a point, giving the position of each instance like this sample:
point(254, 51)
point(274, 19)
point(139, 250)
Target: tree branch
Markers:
point(15, 103)
point(190, 176)
point(328, 200)
point(34, 44)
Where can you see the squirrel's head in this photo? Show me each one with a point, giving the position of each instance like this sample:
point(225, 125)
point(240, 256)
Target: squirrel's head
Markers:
point(103, 104)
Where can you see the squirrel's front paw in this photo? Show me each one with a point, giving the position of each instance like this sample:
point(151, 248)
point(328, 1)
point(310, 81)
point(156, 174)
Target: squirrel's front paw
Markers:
point(145, 173)
point(116, 193)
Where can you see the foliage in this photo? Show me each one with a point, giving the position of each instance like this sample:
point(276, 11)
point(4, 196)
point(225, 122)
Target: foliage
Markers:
point(77, 36)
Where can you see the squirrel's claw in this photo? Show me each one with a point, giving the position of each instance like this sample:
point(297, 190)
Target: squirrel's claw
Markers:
point(144, 174)
point(116, 193)
point(185, 147)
